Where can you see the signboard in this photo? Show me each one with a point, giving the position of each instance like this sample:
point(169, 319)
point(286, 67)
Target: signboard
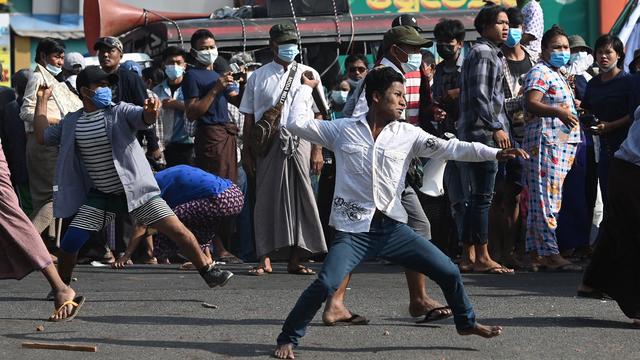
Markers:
point(400, 6)
point(5, 49)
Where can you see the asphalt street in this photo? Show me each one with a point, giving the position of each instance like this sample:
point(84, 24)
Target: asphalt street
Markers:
point(156, 312)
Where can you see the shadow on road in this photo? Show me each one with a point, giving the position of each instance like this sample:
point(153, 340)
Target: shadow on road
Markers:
point(230, 348)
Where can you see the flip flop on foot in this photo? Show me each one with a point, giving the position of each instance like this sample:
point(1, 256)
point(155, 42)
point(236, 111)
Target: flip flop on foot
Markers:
point(259, 271)
point(301, 270)
point(355, 319)
point(483, 330)
point(498, 270)
point(75, 304)
point(436, 314)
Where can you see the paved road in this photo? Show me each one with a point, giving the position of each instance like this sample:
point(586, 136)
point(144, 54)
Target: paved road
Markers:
point(155, 313)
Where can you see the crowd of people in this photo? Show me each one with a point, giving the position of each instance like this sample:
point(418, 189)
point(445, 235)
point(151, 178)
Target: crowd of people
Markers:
point(529, 137)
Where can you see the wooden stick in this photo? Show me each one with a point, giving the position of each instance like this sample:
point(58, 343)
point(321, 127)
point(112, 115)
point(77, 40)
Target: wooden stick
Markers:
point(68, 347)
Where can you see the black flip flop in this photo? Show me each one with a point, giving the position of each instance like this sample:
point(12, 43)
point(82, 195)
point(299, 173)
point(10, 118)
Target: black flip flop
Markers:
point(355, 319)
point(437, 316)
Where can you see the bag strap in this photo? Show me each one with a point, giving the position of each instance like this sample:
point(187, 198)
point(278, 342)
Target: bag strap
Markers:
point(287, 84)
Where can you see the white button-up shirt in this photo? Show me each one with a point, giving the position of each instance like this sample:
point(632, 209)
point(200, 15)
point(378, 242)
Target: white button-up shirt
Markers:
point(370, 174)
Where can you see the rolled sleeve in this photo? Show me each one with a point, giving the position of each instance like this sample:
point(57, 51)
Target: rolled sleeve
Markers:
point(53, 134)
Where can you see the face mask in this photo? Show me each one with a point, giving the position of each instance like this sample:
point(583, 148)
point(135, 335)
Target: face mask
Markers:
point(288, 52)
point(101, 97)
point(609, 68)
point(446, 51)
point(173, 71)
point(578, 57)
point(413, 62)
point(54, 70)
point(207, 57)
point(559, 58)
point(515, 34)
point(339, 97)
point(353, 83)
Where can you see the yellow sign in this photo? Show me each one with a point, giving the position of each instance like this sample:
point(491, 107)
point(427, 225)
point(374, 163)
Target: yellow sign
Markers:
point(372, 6)
point(5, 49)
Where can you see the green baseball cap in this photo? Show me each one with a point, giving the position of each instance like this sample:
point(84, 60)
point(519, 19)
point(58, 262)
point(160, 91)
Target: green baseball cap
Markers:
point(283, 33)
point(404, 34)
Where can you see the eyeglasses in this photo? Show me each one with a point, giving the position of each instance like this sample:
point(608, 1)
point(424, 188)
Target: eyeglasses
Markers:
point(359, 69)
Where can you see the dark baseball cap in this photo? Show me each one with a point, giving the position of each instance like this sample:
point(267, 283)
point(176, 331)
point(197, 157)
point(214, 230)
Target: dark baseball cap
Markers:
point(406, 19)
point(283, 33)
point(404, 34)
point(94, 74)
point(110, 42)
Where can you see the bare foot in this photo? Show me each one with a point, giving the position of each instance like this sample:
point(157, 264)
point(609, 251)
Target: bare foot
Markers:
point(60, 297)
point(284, 351)
point(483, 330)
point(421, 307)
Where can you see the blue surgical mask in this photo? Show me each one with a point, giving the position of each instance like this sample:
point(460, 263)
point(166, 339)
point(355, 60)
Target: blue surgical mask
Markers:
point(288, 52)
point(174, 71)
point(559, 58)
point(54, 70)
point(102, 97)
point(339, 97)
point(515, 34)
point(413, 62)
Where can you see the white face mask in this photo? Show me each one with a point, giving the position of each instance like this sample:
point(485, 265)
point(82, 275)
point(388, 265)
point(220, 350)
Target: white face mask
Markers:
point(54, 70)
point(206, 57)
point(339, 97)
point(609, 68)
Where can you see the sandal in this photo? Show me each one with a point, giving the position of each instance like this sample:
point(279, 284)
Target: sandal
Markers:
point(301, 270)
point(433, 315)
point(562, 268)
point(355, 319)
point(259, 271)
point(76, 304)
point(498, 270)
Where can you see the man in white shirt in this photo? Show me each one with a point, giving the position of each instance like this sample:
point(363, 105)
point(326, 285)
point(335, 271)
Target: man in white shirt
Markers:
point(401, 52)
point(373, 153)
point(292, 231)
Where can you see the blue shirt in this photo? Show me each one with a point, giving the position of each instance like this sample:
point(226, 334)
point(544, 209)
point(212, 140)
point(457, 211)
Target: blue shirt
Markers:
point(175, 117)
point(196, 84)
point(181, 184)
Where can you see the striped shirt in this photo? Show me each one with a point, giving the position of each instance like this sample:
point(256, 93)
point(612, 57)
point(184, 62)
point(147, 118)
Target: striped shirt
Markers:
point(96, 152)
point(412, 86)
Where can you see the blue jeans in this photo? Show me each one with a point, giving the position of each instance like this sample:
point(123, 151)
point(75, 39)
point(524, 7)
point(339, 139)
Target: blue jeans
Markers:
point(390, 240)
point(482, 179)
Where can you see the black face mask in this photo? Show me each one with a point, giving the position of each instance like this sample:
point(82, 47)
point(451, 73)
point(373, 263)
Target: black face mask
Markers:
point(446, 51)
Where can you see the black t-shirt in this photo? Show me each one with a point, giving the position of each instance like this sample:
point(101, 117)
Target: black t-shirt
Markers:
point(520, 67)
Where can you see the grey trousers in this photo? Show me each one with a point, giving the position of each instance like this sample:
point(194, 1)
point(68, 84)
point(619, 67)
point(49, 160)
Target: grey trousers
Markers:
point(417, 218)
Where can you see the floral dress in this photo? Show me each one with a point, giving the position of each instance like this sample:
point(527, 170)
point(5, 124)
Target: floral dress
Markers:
point(552, 147)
